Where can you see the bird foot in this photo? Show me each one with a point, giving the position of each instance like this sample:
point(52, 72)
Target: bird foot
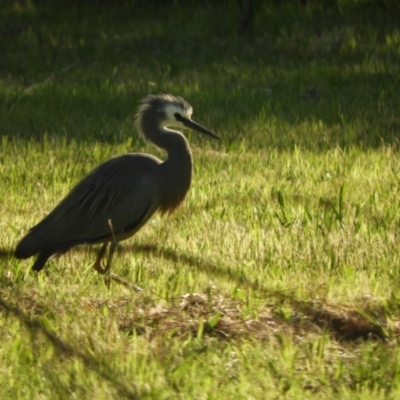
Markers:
point(123, 282)
point(100, 269)
point(107, 279)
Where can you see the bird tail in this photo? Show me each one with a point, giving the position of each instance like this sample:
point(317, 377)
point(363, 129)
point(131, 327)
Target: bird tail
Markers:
point(41, 261)
point(29, 245)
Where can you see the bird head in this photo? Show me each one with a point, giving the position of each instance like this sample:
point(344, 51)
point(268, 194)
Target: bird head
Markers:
point(171, 111)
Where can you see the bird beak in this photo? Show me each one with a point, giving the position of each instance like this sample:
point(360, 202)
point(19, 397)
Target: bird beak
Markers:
point(196, 127)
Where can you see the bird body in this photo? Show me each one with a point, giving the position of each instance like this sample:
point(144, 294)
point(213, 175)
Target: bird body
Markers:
point(118, 197)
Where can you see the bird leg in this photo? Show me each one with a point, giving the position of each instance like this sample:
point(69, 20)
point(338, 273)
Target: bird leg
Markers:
point(97, 265)
point(103, 270)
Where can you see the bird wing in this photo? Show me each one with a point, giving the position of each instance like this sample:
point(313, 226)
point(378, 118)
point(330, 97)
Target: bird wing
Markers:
point(115, 199)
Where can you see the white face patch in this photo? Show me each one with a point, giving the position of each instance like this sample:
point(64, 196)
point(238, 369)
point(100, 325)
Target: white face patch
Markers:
point(170, 111)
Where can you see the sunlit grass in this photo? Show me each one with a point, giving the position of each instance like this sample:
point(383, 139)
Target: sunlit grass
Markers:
point(279, 275)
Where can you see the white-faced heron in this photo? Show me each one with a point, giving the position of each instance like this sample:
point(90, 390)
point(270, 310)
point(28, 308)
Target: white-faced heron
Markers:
point(118, 197)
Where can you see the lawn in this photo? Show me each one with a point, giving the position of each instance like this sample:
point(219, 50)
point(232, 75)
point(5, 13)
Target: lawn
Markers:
point(278, 278)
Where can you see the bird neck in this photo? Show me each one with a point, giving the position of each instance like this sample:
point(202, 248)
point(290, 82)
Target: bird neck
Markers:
point(167, 139)
point(176, 173)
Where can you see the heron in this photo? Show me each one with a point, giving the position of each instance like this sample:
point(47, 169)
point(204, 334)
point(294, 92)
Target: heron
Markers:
point(117, 198)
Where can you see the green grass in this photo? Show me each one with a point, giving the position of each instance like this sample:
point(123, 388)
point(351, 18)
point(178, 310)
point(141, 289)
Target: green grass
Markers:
point(279, 276)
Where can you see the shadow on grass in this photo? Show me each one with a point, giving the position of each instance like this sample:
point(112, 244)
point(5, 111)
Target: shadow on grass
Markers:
point(84, 79)
point(6, 253)
point(343, 323)
point(101, 368)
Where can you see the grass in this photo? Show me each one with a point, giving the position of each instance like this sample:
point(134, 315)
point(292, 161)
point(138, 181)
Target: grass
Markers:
point(279, 276)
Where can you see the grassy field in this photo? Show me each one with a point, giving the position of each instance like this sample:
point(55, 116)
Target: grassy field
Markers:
point(279, 277)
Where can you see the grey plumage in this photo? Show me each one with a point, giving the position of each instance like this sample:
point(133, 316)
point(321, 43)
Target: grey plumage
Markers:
point(118, 197)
